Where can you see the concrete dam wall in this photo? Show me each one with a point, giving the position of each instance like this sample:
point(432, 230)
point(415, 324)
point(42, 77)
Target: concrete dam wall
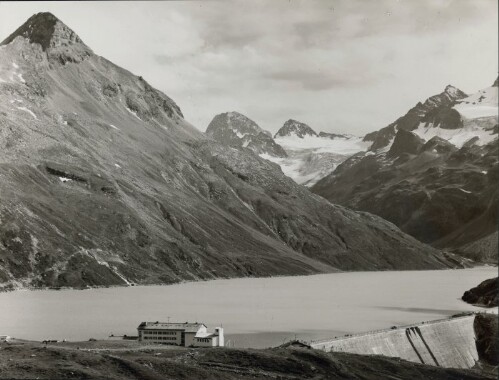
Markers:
point(448, 343)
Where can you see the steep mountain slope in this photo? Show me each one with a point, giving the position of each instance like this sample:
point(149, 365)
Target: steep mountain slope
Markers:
point(238, 131)
point(103, 182)
point(433, 172)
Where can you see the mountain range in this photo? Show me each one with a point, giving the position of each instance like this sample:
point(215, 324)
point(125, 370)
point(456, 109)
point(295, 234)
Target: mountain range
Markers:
point(103, 182)
point(433, 172)
point(303, 154)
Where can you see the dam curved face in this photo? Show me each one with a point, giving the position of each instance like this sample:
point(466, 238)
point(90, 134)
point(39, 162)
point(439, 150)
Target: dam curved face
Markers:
point(448, 343)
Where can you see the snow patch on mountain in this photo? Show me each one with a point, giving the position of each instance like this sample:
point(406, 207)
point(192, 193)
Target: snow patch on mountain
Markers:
point(133, 113)
point(484, 103)
point(10, 72)
point(28, 111)
point(475, 112)
point(457, 136)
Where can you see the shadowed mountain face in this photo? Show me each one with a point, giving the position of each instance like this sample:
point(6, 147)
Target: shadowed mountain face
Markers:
point(433, 173)
point(103, 182)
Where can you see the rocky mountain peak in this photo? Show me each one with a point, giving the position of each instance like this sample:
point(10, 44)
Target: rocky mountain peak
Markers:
point(244, 124)
point(295, 128)
point(449, 96)
point(239, 131)
point(60, 42)
point(454, 92)
point(235, 122)
point(46, 30)
point(495, 83)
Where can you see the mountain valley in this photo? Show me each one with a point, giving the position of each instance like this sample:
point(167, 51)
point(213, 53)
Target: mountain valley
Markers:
point(105, 183)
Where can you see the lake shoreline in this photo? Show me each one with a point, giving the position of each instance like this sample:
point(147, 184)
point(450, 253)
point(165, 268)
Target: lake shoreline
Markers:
point(3, 289)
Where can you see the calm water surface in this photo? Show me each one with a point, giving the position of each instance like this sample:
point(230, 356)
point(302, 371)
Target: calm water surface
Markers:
point(254, 312)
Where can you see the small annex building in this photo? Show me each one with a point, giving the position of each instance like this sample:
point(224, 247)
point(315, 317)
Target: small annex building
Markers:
point(180, 334)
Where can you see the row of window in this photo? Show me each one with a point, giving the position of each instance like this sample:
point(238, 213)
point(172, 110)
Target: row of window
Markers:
point(160, 332)
point(206, 340)
point(159, 338)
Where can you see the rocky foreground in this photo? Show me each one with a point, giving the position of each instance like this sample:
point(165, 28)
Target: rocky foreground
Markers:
point(98, 360)
point(487, 342)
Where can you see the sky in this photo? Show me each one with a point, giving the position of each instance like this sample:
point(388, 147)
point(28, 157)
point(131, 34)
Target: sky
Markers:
point(339, 66)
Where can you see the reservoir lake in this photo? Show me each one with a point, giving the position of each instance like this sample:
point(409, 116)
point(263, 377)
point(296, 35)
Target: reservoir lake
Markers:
point(255, 312)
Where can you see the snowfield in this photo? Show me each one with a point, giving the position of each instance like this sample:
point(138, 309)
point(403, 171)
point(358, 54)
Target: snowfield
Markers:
point(481, 104)
point(311, 158)
point(345, 146)
point(295, 168)
point(476, 111)
point(458, 136)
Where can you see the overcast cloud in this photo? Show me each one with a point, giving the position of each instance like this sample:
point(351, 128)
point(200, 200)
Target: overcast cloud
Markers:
point(339, 66)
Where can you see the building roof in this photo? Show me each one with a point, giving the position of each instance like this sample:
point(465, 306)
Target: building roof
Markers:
point(207, 335)
point(187, 327)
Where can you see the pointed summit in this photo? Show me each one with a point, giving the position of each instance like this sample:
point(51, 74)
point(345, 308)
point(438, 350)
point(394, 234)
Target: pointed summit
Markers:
point(239, 131)
point(495, 83)
point(454, 92)
point(55, 38)
point(295, 128)
point(46, 30)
